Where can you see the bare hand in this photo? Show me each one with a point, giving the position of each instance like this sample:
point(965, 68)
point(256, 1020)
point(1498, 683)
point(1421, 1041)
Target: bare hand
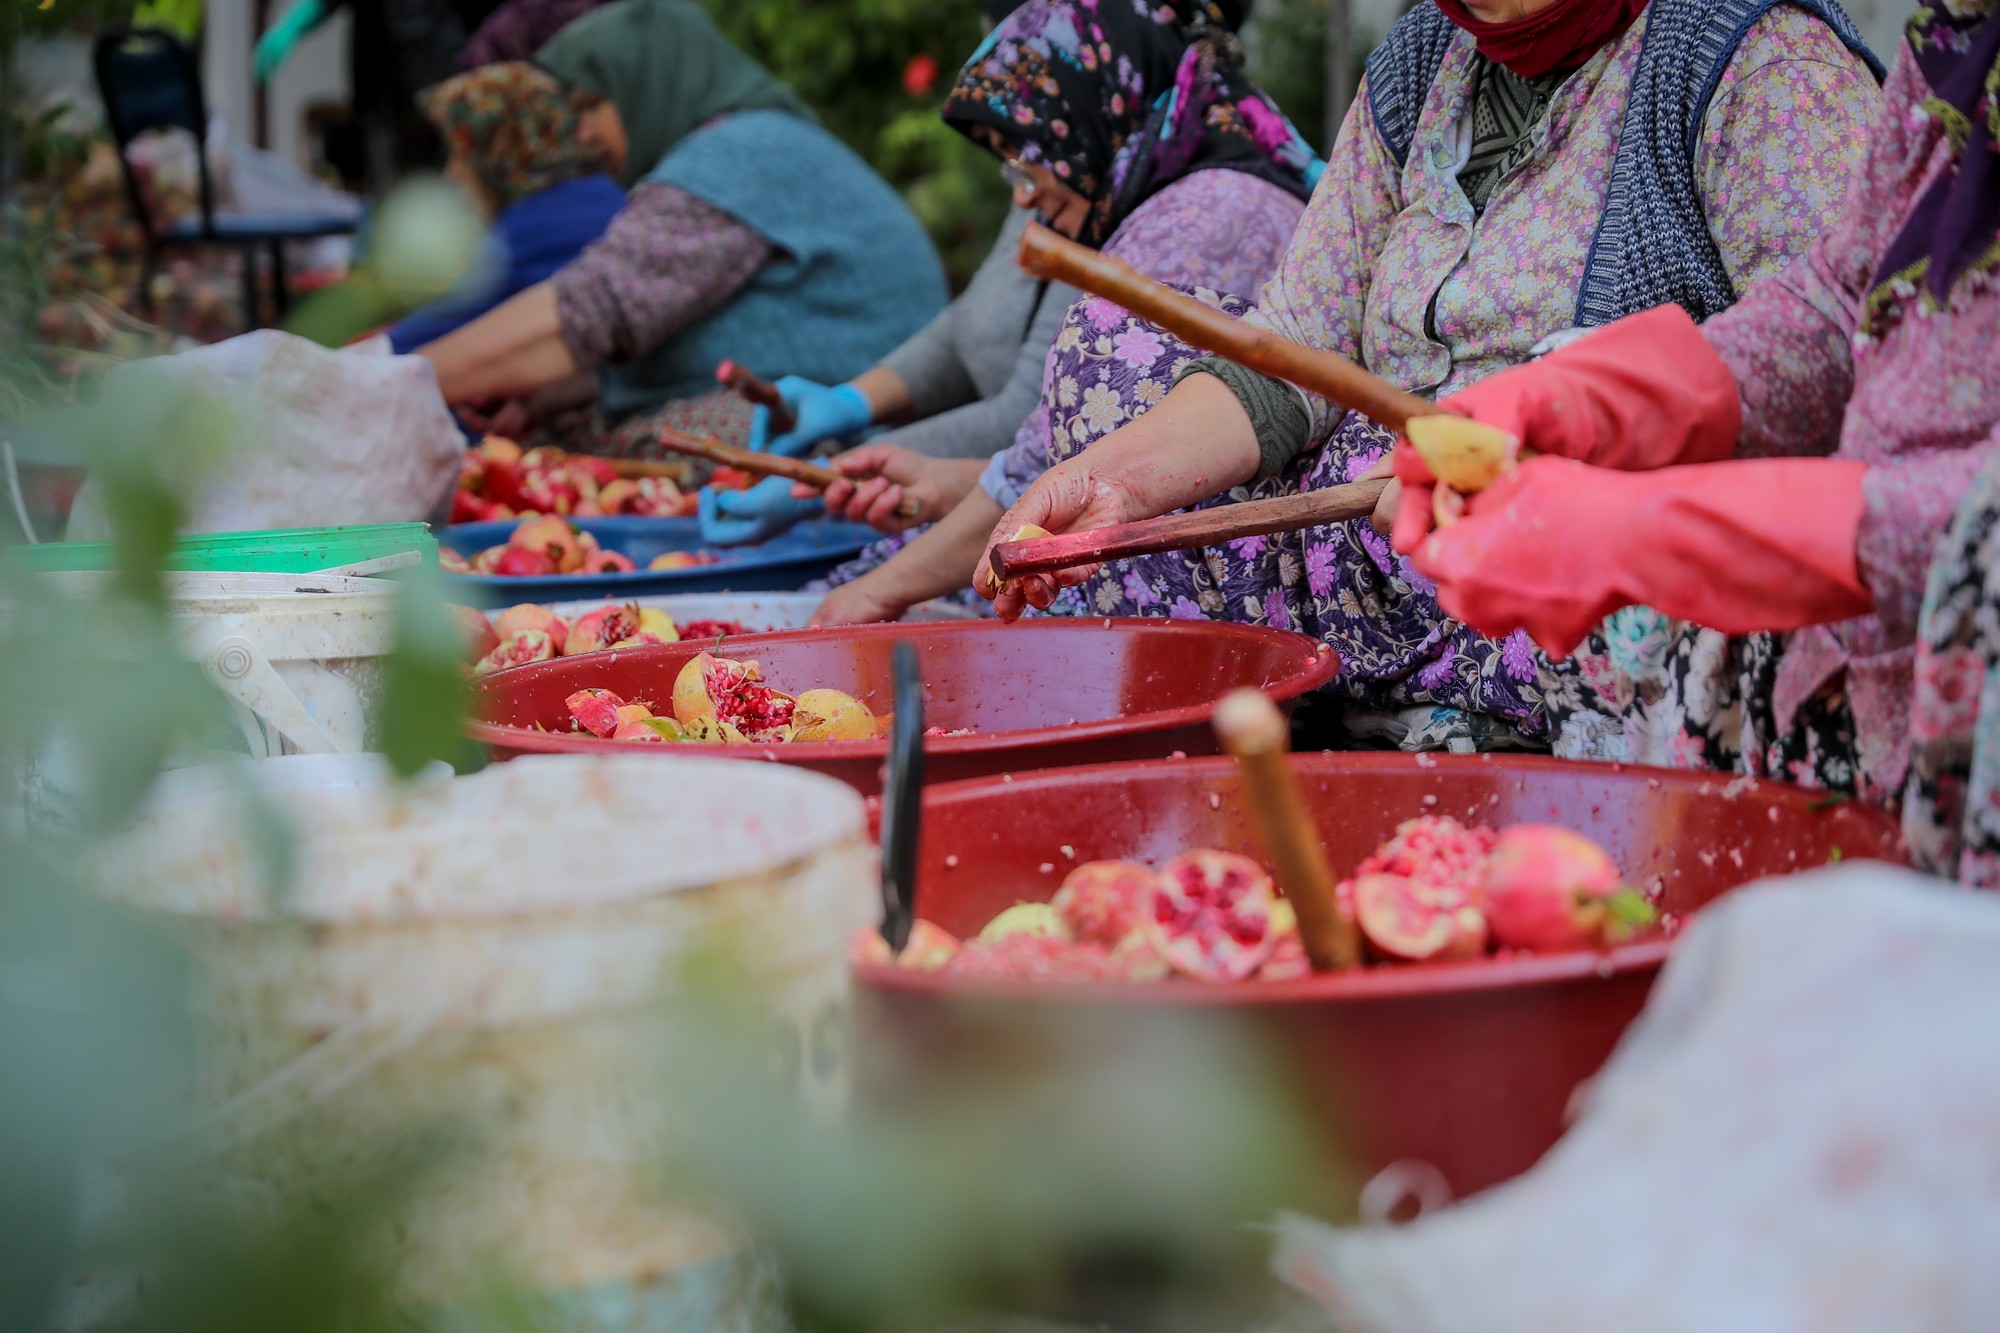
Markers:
point(862, 602)
point(1384, 517)
point(876, 479)
point(1067, 498)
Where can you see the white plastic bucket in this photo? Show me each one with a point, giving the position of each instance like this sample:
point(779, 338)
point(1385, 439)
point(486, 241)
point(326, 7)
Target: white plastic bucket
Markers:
point(491, 950)
point(298, 655)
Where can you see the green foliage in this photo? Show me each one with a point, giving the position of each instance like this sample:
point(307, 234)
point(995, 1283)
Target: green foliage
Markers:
point(1286, 41)
point(848, 61)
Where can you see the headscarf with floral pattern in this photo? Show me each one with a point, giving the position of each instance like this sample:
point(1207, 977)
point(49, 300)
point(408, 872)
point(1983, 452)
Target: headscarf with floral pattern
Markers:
point(513, 125)
point(1954, 231)
point(1120, 98)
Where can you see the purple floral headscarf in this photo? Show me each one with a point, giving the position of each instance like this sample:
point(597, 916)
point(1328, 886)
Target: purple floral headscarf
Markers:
point(1120, 98)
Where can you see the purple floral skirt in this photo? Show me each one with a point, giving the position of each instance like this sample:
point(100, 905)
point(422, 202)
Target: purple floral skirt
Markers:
point(1341, 584)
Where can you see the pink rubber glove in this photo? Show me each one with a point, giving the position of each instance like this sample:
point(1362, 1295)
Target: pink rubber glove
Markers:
point(1646, 392)
point(1555, 546)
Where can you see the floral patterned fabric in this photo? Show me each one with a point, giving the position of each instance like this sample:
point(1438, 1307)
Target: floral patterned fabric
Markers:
point(1951, 801)
point(1919, 403)
point(1494, 286)
point(513, 126)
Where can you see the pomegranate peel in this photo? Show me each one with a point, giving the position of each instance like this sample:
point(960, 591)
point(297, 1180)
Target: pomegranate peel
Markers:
point(1037, 919)
point(531, 615)
point(598, 712)
point(1026, 532)
point(1463, 454)
point(553, 538)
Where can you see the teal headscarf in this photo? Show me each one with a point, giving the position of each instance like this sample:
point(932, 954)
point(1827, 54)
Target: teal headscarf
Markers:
point(668, 70)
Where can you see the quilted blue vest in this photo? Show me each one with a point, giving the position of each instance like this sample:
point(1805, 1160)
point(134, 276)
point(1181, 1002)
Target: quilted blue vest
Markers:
point(1652, 244)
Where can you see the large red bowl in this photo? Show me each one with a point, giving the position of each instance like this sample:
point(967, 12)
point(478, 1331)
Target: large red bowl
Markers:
point(1038, 694)
point(1468, 1066)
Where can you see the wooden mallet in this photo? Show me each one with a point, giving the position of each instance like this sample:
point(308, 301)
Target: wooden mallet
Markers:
point(764, 465)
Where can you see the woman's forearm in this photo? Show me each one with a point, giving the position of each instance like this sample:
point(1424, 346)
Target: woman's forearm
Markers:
point(888, 396)
point(511, 351)
point(1195, 445)
point(941, 560)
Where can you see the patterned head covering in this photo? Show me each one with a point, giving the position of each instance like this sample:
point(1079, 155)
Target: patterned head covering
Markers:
point(513, 125)
point(1954, 231)
point(1121, 98)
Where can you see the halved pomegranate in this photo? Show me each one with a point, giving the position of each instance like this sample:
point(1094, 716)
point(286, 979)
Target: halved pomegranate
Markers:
point(553, 538)
point(1413, 922)
point(1211, 915)
point(477, 631)
point(600, 629)
point(608, 562)
point(531, 615)
point(716, 699)
point(1105, 901)
point(529, 645)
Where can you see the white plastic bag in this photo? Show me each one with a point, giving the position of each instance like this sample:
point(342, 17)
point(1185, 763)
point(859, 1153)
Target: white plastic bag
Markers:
point(1801, 1135)
point(329, 438)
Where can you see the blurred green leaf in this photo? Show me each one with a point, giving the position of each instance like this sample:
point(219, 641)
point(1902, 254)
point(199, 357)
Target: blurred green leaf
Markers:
point(425, 700)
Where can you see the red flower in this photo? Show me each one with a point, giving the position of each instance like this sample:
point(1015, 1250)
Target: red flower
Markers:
point(920, 75)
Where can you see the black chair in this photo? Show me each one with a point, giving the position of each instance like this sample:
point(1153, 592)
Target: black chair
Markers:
point(149, 80)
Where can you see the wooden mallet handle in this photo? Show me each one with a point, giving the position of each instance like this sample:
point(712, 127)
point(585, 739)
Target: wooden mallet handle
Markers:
point(1181, 532)
point(1254, 732)
point(1047, 255)
point(759, 391)
point(766, 465)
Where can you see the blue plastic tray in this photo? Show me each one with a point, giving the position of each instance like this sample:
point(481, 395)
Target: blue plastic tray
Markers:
point(788, 561)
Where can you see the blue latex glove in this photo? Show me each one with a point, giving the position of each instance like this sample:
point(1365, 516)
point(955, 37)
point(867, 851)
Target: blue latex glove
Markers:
point(274, 48)
point(839, 413)
point(739, 518)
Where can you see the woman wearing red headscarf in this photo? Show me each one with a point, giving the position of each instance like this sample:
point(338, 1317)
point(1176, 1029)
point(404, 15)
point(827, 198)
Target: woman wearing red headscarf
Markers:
point(1513, 170)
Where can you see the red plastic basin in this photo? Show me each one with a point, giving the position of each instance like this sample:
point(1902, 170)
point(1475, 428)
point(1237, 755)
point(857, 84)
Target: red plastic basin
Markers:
point(1468, 1066)
point(1039, 694)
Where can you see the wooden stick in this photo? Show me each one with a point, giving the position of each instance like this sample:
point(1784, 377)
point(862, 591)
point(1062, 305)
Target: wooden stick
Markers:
point(1181, 532)
point(766, 465)
point(650, 467)
point(1047, 255)
point(1254, 732)
point(759, 391)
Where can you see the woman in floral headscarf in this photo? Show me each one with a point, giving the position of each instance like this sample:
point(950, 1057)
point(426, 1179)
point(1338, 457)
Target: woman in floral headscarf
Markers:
point(1825, 495)
point(511, 132)
point(1132, 129)
point(1513, 171)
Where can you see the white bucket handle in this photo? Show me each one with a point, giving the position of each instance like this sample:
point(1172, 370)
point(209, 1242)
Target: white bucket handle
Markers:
point(239, 668)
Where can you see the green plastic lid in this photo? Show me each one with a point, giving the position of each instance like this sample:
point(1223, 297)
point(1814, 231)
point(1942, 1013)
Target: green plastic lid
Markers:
point(284, 551)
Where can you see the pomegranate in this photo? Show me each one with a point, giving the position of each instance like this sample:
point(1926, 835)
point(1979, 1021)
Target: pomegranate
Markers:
point(1211, 915)
point(477, 630)
point(1040, 958)
point(1137, 959)
point(712, 629)
point(600, 629)
point(616, 497)
point(1549, 888)
point(1414, 922)
point(532, 615)
point(659, 624)
point(1026, 532)
point(633, 713)
point(716, 699)
point(553, 538)
point(529, 645)
point(515, 562)
point(1463, 454)
point(599, 471)
point(1040, 919)
point(500, 449)
point(829, 715)
point(1104, 901)
point(660, 498)
point(640, 729)
point(929, 948)
point(683, 560)
point(608, 562)
point(1436, 849)
point(451, 562)
point(485, 561)
point(596, 711)
point(550, 493)
point(1288, 956)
